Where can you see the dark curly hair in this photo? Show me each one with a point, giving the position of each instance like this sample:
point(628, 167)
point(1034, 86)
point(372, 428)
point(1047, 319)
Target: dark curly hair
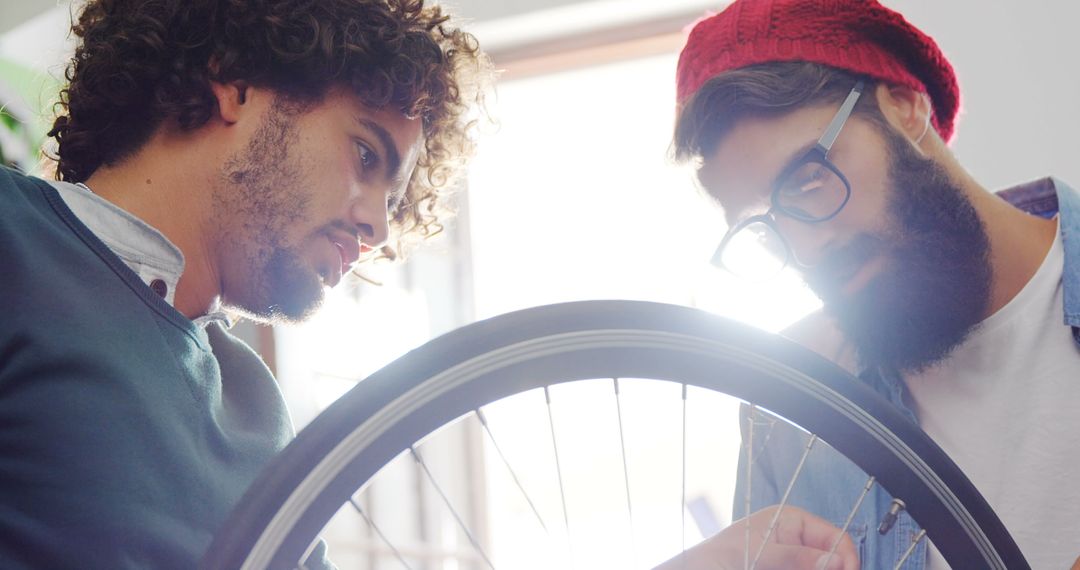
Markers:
point(141, 63)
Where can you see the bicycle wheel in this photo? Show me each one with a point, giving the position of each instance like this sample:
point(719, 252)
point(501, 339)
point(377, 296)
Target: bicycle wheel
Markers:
point(281, 516)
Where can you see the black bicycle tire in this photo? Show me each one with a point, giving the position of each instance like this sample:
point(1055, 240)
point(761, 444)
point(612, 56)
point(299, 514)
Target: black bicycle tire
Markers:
point(840, 409)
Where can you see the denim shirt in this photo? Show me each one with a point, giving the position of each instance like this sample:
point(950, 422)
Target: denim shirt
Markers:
point(830, 484)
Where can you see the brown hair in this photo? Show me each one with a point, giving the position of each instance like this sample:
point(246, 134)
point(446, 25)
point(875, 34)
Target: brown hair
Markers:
point(141, 63)
point(764, 90)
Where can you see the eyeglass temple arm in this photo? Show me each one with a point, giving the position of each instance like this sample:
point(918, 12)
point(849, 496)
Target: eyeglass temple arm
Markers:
point(829, 136)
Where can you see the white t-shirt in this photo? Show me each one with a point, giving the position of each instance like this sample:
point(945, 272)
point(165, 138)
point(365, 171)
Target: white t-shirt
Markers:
point(1006, 407)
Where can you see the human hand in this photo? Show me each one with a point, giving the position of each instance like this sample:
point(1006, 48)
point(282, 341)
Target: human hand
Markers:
point(800, 541)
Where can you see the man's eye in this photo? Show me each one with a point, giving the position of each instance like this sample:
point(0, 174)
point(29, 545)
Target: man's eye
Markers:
point(808, 178)
point(367, 156)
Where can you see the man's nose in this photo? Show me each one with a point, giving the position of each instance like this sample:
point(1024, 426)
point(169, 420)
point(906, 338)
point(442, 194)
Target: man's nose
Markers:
point(370, 215)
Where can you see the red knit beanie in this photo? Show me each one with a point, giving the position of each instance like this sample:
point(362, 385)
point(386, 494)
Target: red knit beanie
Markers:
point(860, 36)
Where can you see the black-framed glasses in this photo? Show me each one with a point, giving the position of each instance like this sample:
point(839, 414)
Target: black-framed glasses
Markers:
point(811, 189)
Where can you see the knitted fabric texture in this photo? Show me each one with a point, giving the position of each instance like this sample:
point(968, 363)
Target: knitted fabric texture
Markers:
point(860, 36)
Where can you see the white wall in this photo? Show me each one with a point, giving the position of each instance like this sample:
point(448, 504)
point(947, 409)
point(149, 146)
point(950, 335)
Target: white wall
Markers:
point(1019, 69)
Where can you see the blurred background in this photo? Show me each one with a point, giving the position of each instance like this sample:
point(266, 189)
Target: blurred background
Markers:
point(572, 197)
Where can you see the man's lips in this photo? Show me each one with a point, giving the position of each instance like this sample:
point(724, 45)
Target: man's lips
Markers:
point(341, 256)
point(348, 251)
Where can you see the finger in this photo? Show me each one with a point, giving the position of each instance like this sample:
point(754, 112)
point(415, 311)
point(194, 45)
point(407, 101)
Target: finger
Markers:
point(817, 533)
point(798, 527)
point(709, 555)
point(791, 557)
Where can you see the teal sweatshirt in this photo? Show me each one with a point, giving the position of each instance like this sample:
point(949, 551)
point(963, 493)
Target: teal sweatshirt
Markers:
point(127, 433)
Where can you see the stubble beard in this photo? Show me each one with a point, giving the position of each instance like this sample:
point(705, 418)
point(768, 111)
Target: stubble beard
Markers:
point(935, 287)
point(260, 199)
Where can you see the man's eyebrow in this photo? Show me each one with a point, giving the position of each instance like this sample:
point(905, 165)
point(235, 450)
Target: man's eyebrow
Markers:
point(795, 155)
point(792, 158)
point(393, 157)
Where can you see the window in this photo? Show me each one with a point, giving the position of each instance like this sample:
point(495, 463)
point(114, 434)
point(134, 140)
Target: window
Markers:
point(572, 197)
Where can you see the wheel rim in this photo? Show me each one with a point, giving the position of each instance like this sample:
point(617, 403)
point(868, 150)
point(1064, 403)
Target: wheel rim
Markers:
point(624, 339)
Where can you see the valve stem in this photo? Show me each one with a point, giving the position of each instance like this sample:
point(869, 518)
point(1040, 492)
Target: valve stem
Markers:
point(889, 520)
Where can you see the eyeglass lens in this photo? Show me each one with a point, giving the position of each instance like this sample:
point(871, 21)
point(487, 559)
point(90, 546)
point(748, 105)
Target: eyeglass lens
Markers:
point(755, 252)
point(812, 192)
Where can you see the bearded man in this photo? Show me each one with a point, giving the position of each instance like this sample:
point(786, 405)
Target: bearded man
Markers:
point(822, 130)
point(214, 157)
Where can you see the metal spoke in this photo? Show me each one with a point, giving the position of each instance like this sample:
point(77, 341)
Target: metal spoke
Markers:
point(379, 532)
point(911, 549)
point(768, 437)
point(847, 522)
point(513, 474)
point(453, 511)
point(784, 499)
point(558, 470)
point(752, 434)
point(625, 469)
point(749, 480)
point(682, 506)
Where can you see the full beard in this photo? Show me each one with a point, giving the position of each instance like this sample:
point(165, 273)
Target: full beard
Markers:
point(936, 283)
point(259, 201)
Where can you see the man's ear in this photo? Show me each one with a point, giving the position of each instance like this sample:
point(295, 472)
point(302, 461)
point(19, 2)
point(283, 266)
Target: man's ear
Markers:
point(231, 98)
point(907, 110)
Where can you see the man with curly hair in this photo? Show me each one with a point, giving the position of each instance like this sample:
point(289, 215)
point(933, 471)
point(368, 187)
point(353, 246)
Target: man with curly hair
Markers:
point(214, 157)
